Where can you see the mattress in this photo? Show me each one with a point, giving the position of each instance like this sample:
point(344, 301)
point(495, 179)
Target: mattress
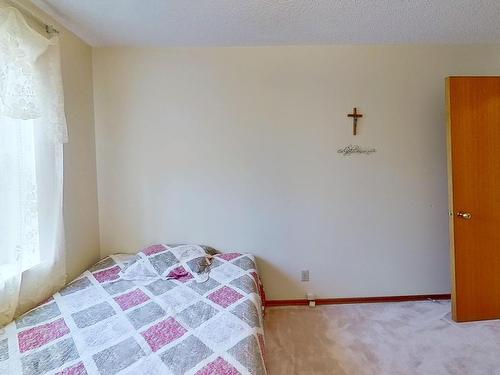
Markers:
point(106, 322)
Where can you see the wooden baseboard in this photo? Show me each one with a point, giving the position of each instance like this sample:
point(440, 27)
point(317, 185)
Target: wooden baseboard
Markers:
point(339, 301)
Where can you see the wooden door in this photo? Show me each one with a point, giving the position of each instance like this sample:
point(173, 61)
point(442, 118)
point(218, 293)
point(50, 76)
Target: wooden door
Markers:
point(474, 191)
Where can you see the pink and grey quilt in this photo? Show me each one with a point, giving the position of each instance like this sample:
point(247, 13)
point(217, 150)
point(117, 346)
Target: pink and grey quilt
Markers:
point(151, 314)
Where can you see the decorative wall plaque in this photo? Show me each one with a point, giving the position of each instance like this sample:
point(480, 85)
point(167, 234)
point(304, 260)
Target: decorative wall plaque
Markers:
point(355, 149)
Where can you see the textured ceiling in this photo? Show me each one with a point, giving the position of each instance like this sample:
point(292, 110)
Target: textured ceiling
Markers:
point(270, 22)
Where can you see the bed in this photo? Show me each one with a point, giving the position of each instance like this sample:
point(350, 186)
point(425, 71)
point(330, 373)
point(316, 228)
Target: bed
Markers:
point(156, 312)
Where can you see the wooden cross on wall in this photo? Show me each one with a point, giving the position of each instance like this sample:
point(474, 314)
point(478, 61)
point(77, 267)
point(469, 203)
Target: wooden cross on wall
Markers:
point(355, 115)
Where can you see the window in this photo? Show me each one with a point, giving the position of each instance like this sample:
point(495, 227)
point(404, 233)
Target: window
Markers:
point(19, 230)
point(32, 133)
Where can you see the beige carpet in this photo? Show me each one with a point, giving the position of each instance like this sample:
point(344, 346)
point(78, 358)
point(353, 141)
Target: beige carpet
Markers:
point(385, 338)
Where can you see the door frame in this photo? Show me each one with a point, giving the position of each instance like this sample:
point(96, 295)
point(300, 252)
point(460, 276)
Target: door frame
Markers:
point(450, 199)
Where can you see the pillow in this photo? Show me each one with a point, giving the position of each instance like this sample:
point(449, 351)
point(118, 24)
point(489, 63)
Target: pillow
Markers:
point(139, 267)
point(208, 249)
point(181, 262)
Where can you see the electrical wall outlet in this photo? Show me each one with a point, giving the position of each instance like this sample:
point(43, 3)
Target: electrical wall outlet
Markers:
point(304, 275)
point(311, 297)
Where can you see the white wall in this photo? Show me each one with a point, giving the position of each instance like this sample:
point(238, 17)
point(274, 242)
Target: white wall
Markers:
point(80, 191)
point(237, 148)
point(80, 176)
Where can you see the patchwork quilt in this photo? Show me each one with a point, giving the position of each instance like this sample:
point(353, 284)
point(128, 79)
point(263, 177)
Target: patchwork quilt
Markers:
point(149, 314)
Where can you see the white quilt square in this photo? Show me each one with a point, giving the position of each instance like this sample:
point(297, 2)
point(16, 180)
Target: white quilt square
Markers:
point(187, 252)
point(80, 300)
point(100, 335)
point(226, 273)
point(150, 365)
point(177, 299)
point(222, 331)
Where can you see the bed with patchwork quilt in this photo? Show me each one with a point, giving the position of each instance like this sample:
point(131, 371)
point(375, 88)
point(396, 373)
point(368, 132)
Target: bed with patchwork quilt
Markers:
point(167, 310)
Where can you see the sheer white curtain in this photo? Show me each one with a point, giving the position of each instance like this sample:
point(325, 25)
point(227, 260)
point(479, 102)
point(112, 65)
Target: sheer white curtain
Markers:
point(32, 133)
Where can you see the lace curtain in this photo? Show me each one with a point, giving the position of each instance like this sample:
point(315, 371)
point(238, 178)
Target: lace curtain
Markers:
point(32, 133)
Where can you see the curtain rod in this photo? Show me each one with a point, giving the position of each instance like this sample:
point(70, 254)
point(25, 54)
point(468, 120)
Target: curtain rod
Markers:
point(49, 29)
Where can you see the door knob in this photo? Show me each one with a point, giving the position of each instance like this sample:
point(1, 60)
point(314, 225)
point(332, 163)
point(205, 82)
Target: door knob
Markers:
point(464, 215)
